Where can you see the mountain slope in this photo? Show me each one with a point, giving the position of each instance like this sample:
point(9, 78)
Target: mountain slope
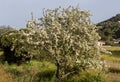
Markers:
point(110, 29)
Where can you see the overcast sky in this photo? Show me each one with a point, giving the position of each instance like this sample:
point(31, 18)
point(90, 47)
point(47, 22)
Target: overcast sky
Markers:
point(16, 12)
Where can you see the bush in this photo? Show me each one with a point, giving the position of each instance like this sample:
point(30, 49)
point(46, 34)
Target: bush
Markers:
point(88, 76)
point(17, 46)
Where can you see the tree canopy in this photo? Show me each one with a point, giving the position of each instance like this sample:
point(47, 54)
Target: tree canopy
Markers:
point(18, 45)
point(71, 40)
point(4, 29)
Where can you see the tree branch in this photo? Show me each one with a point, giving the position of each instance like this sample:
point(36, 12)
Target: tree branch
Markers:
point(72, 72)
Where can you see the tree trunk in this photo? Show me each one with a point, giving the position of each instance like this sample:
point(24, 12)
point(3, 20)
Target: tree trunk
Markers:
point(57, 78)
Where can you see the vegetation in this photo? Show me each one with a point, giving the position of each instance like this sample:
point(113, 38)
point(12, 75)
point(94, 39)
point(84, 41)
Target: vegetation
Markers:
point(113, 64)
point(109, 30)
point(35, 71)
point(64, 49)
point(5, 76)
point(4, 29)
point(71, 41)
point(111, 58)
point(17, 45)
point(113, 48)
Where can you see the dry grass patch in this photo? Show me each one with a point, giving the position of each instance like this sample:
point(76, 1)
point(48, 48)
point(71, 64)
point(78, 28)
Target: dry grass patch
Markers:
point(113, 77)
point(112, 48)
point(113, 66)
point(113, 63)
point(4, 76)
point(114, 71)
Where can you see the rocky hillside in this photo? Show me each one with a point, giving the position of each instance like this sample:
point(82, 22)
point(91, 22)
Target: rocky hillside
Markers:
point(109, 29)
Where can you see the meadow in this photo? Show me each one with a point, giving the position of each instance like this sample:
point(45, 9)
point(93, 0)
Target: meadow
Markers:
point(37, 71)
point(113, 63)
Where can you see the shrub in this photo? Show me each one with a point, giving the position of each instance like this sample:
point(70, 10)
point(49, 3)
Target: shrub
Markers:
point(6, 43)
point(88, 76)
point(18, 45)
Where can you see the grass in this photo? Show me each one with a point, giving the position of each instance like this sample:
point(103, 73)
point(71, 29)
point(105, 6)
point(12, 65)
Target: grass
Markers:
point(115, 56)
point(113, 63)
point(114, 67)
point(5, 76)
point(113, 77)
point(112, 48)
point(89, 75)
point(112, 58)
point(35, 71)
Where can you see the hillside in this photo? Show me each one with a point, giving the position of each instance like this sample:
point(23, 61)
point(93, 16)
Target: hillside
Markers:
point(109, 29)
point(115, 18)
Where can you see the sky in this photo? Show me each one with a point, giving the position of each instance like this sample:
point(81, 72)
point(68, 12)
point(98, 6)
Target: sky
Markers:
point(15, 13)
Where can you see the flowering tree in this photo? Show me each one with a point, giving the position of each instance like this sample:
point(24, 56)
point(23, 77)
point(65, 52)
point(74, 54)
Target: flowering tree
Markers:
point(19, 45)
point(71, 40)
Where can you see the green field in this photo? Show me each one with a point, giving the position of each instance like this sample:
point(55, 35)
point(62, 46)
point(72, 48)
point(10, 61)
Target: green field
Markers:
point(36, 71)
point(113, 63)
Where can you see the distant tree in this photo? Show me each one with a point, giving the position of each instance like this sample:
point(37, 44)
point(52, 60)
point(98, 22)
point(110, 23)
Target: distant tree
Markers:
point(71, 40)
point(110, 30)
point(18, 45)
point(4, 29)
point(6, 42)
